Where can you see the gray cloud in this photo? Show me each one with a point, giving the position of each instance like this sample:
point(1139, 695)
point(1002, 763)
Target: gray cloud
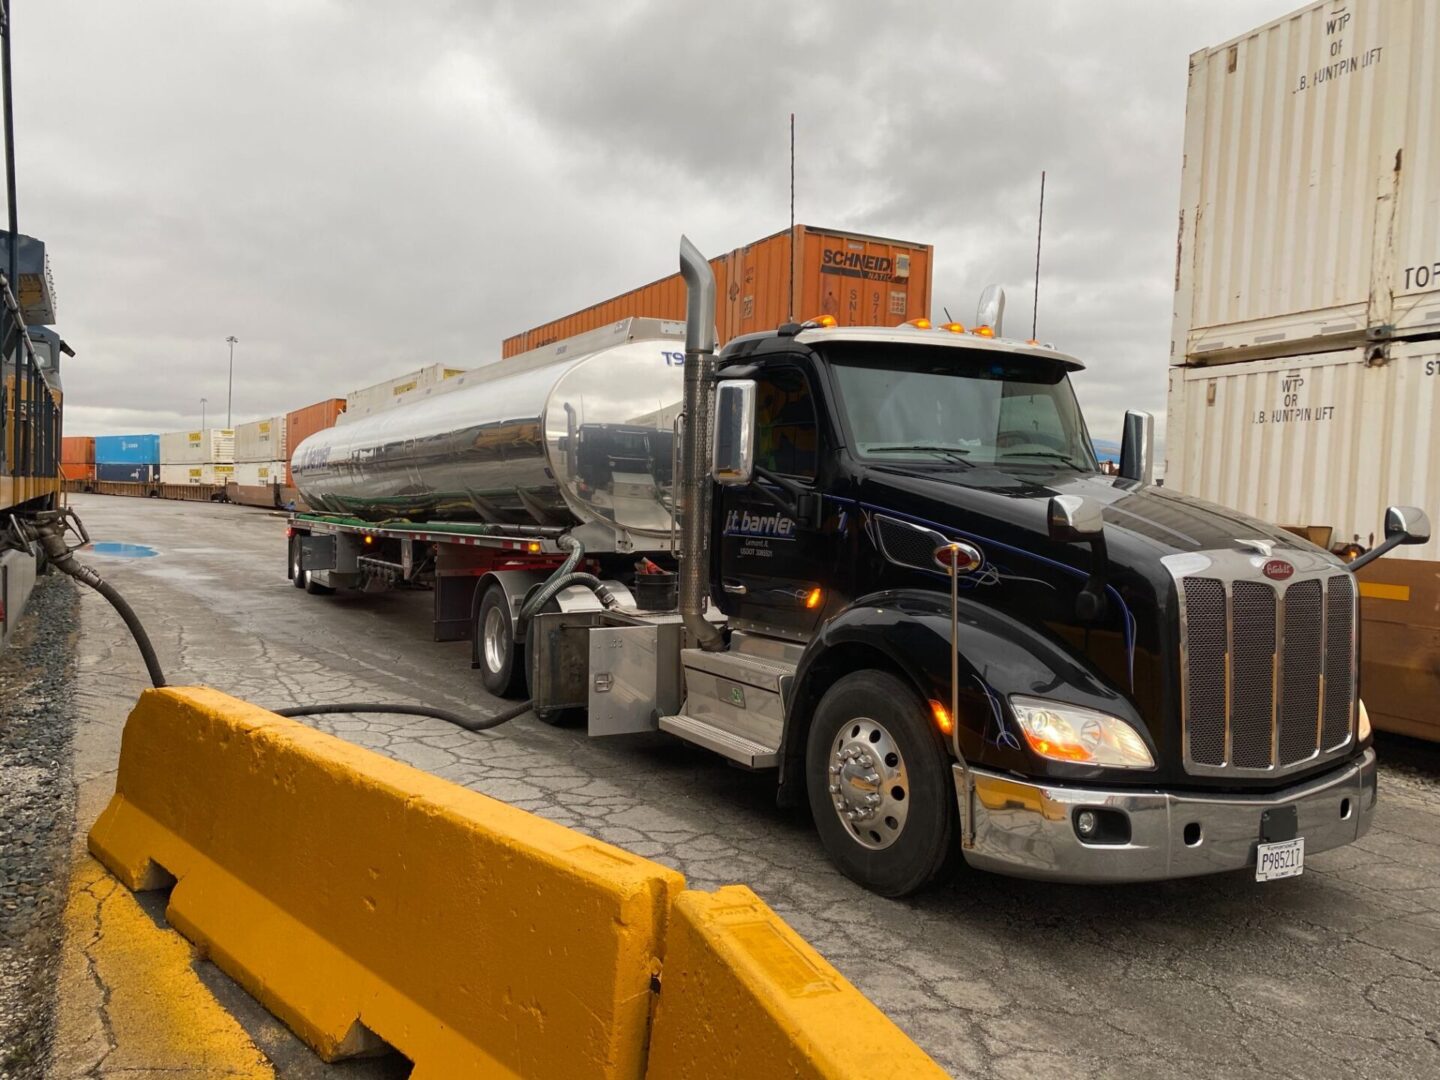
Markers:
point(355, 190)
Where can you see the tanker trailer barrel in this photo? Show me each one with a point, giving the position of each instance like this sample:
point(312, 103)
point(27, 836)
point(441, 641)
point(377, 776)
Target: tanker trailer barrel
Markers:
point(694, 481)
point(576, 439)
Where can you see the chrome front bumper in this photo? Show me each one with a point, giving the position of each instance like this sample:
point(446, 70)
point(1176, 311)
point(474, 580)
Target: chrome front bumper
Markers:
point(1027, 829)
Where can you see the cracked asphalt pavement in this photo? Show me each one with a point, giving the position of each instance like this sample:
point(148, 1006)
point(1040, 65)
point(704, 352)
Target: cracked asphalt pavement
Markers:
point(1335, 973)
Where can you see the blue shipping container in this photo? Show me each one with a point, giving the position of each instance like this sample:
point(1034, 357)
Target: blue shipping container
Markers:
point(127, 449)
point(127, 474)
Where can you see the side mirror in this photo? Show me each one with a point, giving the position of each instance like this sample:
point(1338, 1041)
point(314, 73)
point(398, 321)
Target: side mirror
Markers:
point(1409, 523)
point(1137, 448)
point(1075, 518)
point(991, 310)
point(1403, 525)
point(732, 459)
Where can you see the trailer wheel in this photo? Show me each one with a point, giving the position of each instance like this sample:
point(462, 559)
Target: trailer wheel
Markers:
point(297, 575)
point(501, 665)
point(878, 777)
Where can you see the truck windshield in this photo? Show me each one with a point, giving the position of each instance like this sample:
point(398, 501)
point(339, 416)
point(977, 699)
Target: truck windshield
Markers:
point(960, 406)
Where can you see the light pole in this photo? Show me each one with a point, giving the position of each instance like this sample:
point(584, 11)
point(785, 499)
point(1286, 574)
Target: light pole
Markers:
point(202, 413)
point(230, 393)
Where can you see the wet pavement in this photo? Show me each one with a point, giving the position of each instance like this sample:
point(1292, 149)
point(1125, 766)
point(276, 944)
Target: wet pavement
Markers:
point(1335, 973)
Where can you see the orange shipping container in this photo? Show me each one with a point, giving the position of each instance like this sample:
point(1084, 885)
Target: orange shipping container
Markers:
point(77, 470)
point(77, 450)
point(861, 280)
point(302, 423)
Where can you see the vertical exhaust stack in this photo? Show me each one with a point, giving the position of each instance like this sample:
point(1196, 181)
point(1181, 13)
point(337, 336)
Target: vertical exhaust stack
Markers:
point(694, 477)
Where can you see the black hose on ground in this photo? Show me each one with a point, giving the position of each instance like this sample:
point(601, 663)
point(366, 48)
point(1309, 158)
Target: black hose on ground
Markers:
point(466, 722)
point(63, 559)
point(50, 534)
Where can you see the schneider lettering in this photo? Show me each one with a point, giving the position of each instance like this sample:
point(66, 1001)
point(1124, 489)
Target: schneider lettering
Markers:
point(858, 264)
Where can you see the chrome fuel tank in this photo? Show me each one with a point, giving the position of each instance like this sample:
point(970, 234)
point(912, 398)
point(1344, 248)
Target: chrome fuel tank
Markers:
point(560, 440)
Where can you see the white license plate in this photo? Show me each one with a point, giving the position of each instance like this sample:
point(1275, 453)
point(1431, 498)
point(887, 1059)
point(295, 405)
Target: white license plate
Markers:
point(1282, 860)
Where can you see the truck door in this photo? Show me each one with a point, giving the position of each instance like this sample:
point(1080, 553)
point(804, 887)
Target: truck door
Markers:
point(773, 571)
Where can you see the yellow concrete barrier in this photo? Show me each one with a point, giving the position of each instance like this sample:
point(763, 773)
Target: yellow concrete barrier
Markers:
point(743, 995)
point(358, 898)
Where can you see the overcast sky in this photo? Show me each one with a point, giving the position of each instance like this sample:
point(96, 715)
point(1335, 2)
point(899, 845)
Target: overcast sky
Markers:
point(357, 189)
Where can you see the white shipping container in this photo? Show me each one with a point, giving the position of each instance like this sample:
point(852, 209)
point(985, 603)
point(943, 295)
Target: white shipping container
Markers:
point(210, 446)
point(204, 473)
point(1316, 440)
point(259, 473)
point(631, 328)
point(385, 395)
point(1310, 191)
point(260, 440)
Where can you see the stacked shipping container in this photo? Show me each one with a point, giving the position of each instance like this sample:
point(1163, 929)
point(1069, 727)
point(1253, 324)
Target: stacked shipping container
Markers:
point(1304, 356)
point(197, 457)
point(385, 395)
point(860, 280)
point(127, 458)
point(302, 423)
point(77, 457)
point(260, 456)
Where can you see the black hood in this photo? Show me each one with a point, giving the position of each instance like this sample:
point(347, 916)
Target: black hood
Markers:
point(1142, 524)
point(1134, 645)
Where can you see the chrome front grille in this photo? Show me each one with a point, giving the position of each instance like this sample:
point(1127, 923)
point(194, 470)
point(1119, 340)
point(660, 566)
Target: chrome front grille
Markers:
point(1267, 669)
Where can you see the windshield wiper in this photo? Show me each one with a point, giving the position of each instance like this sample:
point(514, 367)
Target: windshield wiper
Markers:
point(952, 453)
point(1054, 454)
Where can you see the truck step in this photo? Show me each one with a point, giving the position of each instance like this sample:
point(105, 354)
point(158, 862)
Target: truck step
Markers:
point(763, 673)
point(737, 748)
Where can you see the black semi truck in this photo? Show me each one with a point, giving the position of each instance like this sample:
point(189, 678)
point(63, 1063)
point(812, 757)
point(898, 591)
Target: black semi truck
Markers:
point(904, 584)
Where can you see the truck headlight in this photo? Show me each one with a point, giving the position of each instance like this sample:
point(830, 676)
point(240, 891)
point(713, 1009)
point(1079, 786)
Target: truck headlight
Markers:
point(1076, 734)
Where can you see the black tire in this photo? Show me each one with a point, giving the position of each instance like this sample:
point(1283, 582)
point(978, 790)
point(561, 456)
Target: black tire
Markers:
point(297, 576)
point(502, 666)
point(917, 792)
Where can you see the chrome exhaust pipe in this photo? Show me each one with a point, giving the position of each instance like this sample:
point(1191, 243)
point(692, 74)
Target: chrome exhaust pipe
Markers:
point(694, 479)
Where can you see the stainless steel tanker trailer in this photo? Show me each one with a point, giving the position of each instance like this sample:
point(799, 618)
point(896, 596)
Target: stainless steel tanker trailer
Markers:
point(884, 563)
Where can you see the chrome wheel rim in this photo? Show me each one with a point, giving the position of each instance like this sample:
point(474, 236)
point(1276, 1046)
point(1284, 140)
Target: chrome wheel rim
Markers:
point(496, 639)
point(869, 786)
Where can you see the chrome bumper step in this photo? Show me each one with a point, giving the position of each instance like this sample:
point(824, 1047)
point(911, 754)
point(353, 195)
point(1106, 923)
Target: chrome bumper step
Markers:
point(738, 748)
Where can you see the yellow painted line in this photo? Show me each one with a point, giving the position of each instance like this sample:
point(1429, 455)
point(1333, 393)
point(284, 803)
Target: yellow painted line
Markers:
point(130, 1001)
point(1379, 590)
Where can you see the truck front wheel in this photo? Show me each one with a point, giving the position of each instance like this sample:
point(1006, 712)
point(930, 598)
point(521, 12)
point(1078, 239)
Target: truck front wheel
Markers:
point(880, 784)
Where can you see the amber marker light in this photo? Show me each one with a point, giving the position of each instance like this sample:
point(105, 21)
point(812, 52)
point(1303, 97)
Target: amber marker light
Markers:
point(943, 720)
point(919, 324)
point(813, 598)
point(953, 327)
point(533, 547)
point(369, 539)
point(984, 331)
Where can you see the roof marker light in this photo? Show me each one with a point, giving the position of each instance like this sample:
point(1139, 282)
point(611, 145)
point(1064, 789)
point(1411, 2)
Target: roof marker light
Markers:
point(953, 327)
point(984, 331)
point(821, 321)
point(919, 324)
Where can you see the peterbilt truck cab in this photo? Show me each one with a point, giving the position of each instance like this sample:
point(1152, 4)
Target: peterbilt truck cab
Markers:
point(957, 639)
